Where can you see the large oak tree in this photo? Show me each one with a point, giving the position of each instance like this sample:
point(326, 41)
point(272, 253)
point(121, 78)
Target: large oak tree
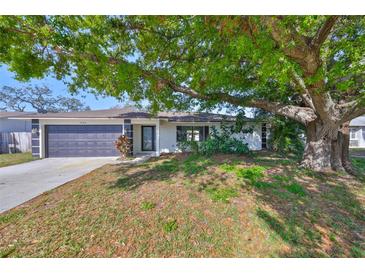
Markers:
point(38, 98)
point(307, 68)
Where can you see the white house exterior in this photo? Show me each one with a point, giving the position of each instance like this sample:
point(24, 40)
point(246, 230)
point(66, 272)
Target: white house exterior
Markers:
point(357, 132)
point(92, 133)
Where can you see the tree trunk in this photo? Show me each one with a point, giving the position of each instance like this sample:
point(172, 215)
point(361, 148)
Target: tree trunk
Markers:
point(328, 152)
point(317, 152)
point(344, 134)
point(336, 153)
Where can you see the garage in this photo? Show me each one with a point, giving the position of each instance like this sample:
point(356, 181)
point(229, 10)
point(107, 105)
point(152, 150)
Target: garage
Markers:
point(81, 140)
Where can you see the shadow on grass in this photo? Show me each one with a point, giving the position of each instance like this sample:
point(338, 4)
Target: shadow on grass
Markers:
point(318, 216)
point(164, 169)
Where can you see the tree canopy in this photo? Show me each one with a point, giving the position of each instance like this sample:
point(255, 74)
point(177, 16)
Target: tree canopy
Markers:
point(307, 68)
point(38, 98)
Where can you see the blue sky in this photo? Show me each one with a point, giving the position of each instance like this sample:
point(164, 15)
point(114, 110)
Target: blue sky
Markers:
point(7, 78)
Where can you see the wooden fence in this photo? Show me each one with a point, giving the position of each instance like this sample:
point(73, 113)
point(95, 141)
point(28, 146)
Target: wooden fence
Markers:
point(13, 142)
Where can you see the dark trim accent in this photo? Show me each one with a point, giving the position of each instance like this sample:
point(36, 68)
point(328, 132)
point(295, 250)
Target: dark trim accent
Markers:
point(263, 136)
point(206, 132)
point(35, 138)
point(46, 141)
point(153, 138)
point(127, 121)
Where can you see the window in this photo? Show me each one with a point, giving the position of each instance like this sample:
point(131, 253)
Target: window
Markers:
point(192, 133)
point(353, 133)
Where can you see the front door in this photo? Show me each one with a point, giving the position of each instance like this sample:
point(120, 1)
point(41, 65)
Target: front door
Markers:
point(148, 138)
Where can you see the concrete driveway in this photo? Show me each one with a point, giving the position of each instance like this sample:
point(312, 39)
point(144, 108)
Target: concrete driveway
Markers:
point(20, 183)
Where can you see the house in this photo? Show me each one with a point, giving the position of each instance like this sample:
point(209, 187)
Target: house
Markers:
point(93, 133)
point(10, 125)
point(15, 135)
point(357, 132)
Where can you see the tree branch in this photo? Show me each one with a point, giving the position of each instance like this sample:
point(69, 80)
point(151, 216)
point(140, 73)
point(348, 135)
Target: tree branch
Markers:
point(351, 110)
point(305, 94)
point(323, 33)
point(297, 52)
point(302, 115)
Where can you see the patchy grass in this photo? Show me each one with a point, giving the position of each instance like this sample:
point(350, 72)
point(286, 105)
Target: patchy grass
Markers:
point(170, 226)
point(222, 194)
point(359, 164)
point(12, 216)
point(16, 158)
point(147, 205)
point(192, 206)
point(253, 174)
point(296, 189)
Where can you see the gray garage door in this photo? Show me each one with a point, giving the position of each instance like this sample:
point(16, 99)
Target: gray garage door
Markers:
point(82, 140)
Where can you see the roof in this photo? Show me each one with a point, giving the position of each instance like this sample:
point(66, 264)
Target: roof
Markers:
point(359, 121)
point(8, 114)
point(132, 113)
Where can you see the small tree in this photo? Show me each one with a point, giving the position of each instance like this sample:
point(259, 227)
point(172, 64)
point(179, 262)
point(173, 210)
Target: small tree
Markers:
point(123, 145)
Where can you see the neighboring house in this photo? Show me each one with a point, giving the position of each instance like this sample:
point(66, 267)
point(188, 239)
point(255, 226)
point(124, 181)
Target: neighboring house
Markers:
point(10, 125)
point(93, 133)
point(15, 134)
point(357, 132)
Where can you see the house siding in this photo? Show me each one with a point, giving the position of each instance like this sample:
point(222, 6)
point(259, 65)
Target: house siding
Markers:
point(167, 141)
point(360, 137)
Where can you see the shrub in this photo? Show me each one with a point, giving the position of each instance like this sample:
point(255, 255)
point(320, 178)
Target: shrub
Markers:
point(218, 142)
point(123, 145)
point(286, 136)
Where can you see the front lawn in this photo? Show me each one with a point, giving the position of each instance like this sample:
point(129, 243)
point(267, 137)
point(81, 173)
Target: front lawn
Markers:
point(193, 206)
point(14, 159)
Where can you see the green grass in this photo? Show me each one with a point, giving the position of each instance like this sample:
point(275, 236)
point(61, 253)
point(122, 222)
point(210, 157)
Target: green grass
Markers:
point(252, 174)
point(170, 226)
point(147, 205)
point(359, 164)
point(296, 189)
point(122, 182)
point(192, 206)
point(260, 184)
point(168, 166)
point(227, 167)
point(222, 194)
point(195, 164)
point(14, 159)
point(12, 216)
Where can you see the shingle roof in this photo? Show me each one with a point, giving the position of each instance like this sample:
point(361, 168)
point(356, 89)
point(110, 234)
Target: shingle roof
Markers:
point(133, 113)
point(359, 121)
point(8, 114)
